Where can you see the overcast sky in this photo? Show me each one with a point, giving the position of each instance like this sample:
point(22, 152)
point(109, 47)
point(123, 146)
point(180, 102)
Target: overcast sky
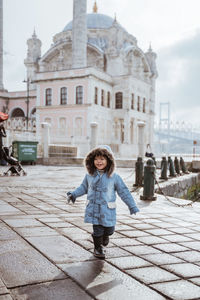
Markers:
point(172, 27)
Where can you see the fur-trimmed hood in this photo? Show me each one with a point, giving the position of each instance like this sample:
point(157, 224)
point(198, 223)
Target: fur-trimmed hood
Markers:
point(100, 151)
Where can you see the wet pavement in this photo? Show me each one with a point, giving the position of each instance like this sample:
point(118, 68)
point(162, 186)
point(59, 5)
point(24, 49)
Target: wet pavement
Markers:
point(46, 248)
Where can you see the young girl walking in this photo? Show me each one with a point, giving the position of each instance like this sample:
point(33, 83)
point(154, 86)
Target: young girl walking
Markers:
point(101, 185)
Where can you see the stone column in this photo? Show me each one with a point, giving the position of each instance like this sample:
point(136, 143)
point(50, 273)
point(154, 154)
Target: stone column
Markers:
point(45, 139)
point(141, 126)
point(1, 45)
point(94, 132)
point(79, 34)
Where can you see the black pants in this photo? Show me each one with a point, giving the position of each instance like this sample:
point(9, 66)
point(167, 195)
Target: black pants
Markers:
point(99, 230)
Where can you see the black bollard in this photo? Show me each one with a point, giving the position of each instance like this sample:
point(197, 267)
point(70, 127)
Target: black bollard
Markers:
point(171, 167)
point(183, 167)
point(163, 174)
point(177, 166)
point(139, 173)
point(149, 181)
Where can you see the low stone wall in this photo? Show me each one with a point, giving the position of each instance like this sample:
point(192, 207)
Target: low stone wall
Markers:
point(78, 161)
point(177, 187)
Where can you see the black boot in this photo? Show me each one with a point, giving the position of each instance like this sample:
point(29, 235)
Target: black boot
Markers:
point(98, 249)
point(105, 240)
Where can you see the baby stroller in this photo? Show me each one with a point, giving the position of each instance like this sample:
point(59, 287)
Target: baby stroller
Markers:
point(15, 166)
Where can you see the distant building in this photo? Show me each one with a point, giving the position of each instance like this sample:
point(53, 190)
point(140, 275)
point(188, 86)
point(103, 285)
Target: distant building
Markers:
point(93, 72)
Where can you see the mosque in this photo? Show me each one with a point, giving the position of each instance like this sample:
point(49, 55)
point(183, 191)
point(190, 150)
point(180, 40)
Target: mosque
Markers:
point(93, 77)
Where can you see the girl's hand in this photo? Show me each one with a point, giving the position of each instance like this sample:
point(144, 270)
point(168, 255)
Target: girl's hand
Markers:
point(70, 198)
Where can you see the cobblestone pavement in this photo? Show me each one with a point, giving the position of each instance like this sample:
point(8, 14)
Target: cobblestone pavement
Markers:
point(46, 248)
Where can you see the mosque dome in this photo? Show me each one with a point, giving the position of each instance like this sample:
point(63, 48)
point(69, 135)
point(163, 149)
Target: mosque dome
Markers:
point(95, 21)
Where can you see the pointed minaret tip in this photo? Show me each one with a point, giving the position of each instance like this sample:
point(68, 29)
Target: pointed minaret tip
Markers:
point(95, 8)
point(34, 34)
point(150, 49)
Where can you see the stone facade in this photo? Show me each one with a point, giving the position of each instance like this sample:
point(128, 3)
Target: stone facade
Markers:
point(100, 76)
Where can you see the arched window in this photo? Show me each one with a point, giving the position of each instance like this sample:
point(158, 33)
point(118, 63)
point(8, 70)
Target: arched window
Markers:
point(96, 95)
point(102, 97)
point(63, 96)
point(79, 94)
point(48, 97)
point(144, 105)
point(138, 103)
point(118, 100)
point(132, 101)
point(108, 99)
point(17, 113)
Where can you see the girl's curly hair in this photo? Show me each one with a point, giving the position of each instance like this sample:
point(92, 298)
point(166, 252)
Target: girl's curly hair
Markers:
point(89, 161)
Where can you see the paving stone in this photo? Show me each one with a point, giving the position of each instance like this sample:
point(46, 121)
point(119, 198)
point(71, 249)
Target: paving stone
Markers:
point(170, 247)
point(50, 219)
point(6, 233)
point(36, 231)
point(191, 256)
point(105, 282)
point(162, 258)
point(143, 226)
point(26, 267)
point(116, 252)
point(185, 270)
point(7, 209)
point(153, 221)
point(159, 232)
point(129, 221)
point(152, 275)
point(59, 225)
point(22, 222)
point(151, 240)
point(129, 262)
point(141, 249)
point(178, 290)
point(133, 233)
point(195, 235)
point(196, 227)
point(195, 280)
point(125, 242)
point(191, 245)
point(120, 227)
point(60, 249)
point(55, 290)
point(177, 238)
point(3, 289)
point(74, 233)
point(182, 230)
point(165, 225)
point(8, 246)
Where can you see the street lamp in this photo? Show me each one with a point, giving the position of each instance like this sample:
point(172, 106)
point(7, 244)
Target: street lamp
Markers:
point(27, 101)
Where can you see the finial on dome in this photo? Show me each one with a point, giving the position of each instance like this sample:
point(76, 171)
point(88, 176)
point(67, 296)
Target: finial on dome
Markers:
point(95, 8)
point(150, 49)
point(34, 34)
point(115, 18)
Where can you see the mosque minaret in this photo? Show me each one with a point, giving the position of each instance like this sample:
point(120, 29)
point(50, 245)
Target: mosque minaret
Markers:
point(79, 34)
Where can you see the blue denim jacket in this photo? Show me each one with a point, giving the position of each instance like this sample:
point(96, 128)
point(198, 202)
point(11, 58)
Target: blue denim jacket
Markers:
point(101, 198)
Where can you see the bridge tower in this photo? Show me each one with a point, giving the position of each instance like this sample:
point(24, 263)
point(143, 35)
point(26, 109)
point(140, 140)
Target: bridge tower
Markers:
point(164, 122)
